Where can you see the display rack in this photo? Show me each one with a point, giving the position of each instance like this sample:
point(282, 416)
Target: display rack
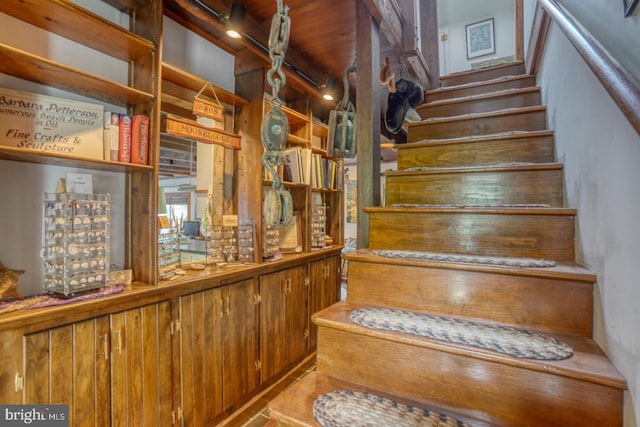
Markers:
point(76, 242)
point(168, 252)
point(229, 244)
point(318, 226)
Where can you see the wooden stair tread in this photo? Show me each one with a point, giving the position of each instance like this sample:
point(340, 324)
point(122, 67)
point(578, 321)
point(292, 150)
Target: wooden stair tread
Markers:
point(475, 169)
point(481, 70)
point(477, 97)
point(473, 209)
point(514, 68)
point(490, 82)
point(294, 407)
point(473, 138)
point(492, 114)
point(588, 362)
point(565, 271)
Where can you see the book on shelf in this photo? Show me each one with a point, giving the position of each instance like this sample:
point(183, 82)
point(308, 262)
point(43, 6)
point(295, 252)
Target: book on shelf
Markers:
point(140, 139)
point(326, 173)
point(124, 153)
point(111, 135)
point(296, 163)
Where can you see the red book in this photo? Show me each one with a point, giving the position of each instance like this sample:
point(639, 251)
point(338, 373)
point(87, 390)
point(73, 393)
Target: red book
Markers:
point(140, 139)
point(124, 153)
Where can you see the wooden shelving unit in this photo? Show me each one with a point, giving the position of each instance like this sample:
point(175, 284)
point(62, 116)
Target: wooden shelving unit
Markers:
point(139, 49)
point(303, 133)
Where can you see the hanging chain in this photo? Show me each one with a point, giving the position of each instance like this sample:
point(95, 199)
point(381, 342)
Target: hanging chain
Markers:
point(278, 43)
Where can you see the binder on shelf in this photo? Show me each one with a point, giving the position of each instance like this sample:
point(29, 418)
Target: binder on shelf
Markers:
point(140, 139)
point(111, 136)
point(124, 152)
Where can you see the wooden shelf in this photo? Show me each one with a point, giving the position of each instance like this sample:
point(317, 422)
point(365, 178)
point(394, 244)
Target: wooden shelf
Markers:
point(17, 154)
point(126, 5)
point(41, 70)
point(296, 140)
point(287, 184)
point(295, 118)
point(194, 84)
point(75, 23)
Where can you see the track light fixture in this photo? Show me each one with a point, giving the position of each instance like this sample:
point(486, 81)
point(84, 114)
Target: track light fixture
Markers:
point(329, 89)
point(235, 20)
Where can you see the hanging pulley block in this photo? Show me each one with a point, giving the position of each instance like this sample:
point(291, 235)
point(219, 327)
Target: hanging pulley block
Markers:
point(275, 129)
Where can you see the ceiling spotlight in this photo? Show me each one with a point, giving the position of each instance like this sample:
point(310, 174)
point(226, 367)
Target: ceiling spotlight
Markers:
point(235, 21)
point(329, 89)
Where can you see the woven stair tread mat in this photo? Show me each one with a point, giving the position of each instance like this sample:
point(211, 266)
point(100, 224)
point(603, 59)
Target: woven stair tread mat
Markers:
point(346, 408)
point(507, 340)
point(472, 259)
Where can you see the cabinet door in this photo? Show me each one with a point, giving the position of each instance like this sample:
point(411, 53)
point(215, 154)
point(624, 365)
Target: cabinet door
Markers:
point(324, 289)
point(283, 319)
point(201, 356)
point(141, 381)
point(70, 365)
point(240, 341)
point(218, 350)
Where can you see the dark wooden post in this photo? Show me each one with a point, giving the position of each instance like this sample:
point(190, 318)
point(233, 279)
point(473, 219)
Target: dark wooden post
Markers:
point(368, 117)
point(430, 40)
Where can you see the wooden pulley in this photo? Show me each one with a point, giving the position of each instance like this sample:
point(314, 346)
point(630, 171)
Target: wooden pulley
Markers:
point(342, 123)
point(277, 207)
point(275, 129)
point(279, 33)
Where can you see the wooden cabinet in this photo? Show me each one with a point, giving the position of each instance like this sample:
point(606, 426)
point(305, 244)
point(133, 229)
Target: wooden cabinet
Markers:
point(110, 370)
point(218, 350)
point(283, 319)
point(324, 289)
point(136, 46)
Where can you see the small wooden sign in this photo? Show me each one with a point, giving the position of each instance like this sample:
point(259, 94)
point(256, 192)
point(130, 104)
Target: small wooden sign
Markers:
point(205, 108)
point(229, 220)
point(190, 129)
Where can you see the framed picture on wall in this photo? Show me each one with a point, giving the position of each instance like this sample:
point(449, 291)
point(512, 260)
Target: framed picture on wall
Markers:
point(480, 39)
point(629, 5)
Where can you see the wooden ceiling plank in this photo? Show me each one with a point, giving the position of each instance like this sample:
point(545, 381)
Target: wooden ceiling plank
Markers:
point(300, 66)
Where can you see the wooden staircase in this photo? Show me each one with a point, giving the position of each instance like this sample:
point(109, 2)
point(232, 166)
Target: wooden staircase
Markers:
point(478, 177)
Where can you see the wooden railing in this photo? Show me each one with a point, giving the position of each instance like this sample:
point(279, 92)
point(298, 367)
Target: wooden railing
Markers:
point(623, 87)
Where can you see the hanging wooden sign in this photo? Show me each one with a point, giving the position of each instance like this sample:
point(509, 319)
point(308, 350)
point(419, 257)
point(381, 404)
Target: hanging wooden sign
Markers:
point(190, 129)
point(205, 108)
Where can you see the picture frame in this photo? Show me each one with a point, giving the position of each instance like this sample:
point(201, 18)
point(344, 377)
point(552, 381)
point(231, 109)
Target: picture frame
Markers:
point(290, 235)
point(629, 6)
point(481, 38)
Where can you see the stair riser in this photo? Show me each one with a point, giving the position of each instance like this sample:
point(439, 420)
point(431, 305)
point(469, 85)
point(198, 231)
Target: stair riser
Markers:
point(472, 125)
point(499, 393)
point(488, 73)
point(531, 302)
point(538, 149)
point(477, 188)
point(439, 95)
point(486, 105)
point(536, 236)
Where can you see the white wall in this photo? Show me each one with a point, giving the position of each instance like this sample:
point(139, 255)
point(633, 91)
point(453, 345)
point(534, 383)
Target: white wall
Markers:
point(601, 153)
point(453, 52)
point(188, 51)
point(605, 20)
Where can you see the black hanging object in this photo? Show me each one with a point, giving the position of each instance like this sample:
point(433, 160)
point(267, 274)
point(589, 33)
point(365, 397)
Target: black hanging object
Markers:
point(407, 95)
